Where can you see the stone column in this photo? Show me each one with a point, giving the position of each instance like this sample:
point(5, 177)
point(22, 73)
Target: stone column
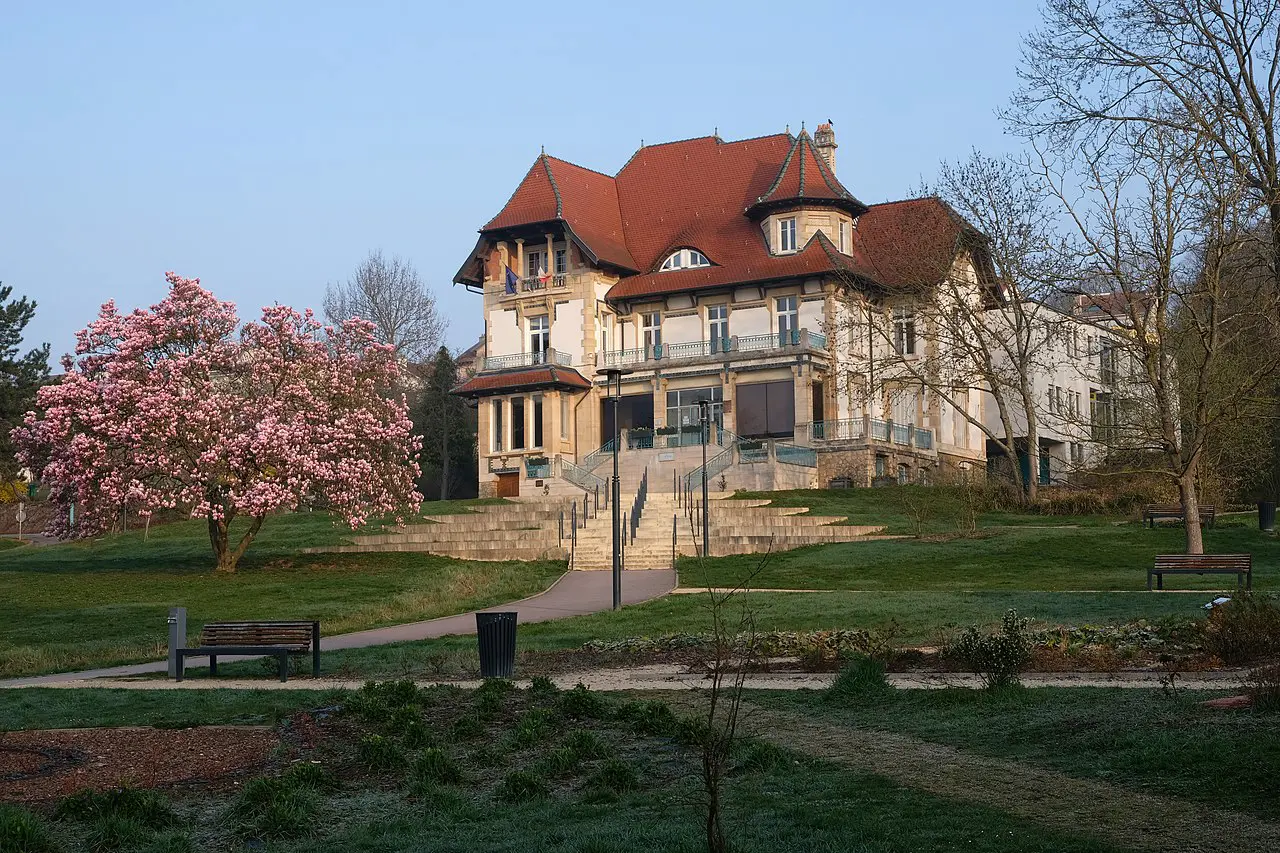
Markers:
point(519, 257)
point(802, 377)
point(660, 384)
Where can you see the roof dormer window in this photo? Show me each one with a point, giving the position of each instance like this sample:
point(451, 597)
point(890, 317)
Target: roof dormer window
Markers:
point(685, 258)
point(787, 234)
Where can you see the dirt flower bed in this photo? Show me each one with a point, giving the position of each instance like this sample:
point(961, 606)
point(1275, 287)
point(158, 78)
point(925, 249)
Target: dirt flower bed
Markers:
point(46, 765)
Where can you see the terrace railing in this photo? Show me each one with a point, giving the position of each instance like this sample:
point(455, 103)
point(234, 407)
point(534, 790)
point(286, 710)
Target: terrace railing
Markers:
point(579, 476)
point(527, 359)
point(902, 434)
point(847, 429)
point(593, 459)
point(879, 430)
point(791, 454)
point(924, 438)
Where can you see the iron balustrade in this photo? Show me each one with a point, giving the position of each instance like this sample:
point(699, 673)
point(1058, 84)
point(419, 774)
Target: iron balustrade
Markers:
point(537, 471)
point(791, 454)
point(637, 506)
point(879, 430)
point(593, 459)
point(924, 438)
point(528, 359)
point(615, 358)
point(846, 429)
point(902, 434)
point(580, 477)
point(753, 451)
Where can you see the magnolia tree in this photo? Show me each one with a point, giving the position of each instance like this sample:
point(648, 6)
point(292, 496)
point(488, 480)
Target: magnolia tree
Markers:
point(181, 408)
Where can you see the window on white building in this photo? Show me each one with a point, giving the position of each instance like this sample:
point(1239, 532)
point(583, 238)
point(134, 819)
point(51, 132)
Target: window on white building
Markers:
point(517, 423)
point(534, 264)
point(718, 327)
point(564, 415)
point(537, 421)
point(904, 331)
point(539, 337)
point(787, 234)
point(652, 326)
point(788, 310)
point(685, 258)
point(562, 261)
point(844, 231)
point(1052, 403)
point(496, 443)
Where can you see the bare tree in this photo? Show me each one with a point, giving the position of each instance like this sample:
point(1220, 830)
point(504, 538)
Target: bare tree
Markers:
point(958, 335)
point(389, 294)
point(1204, 72)
point(1157, 218)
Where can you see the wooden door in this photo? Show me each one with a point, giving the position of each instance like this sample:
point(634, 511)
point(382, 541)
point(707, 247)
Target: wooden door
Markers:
point(509, 485)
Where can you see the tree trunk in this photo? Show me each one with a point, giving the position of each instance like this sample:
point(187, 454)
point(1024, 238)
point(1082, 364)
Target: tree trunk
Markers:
point(444, 460)
point(1191, 511)
point(218, 539)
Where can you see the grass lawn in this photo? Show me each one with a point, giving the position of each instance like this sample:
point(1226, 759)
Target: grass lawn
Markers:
point(1139, 739)
point(104, 602)
point(92, 707)
point(532, 770)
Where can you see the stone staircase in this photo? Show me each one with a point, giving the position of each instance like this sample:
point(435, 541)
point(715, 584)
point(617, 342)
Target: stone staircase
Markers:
point(523, 529)
point(529, 528)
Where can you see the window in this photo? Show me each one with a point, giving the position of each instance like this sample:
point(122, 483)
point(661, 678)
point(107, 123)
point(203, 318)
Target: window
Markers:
point(685, 258)
point(718, 325)
point(787, 235)
point(683, 409)
point(539, 337)
point(497, 426)
point(1102, 418)
point(788, 317)
point(1058, 404)
point(904, 331)
point(881, 461)
point(904, 475)
point(1052, 403)
point(652, 324)
point(562, 261)
point(564, 415)
point(844, 228)
point(533, 265)
point(1106, 364)
point(517, 423)
point(537, 421)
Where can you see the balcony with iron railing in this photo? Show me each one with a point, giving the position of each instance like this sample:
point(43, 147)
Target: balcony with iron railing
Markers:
point(720, 348)
point(864, 431)
point(529, 284)
point(527, 359)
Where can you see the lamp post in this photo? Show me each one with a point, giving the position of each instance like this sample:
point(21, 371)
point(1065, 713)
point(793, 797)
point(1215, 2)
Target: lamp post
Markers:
point(613, 383)
point(704, 415)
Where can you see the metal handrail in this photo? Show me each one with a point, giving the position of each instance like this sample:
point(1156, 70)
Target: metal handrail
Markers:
point(624, 356)
point(846, 429)
point(637, 506)
point(595, 457)
point(791, 454)
point(528, 359)
point(580, 477)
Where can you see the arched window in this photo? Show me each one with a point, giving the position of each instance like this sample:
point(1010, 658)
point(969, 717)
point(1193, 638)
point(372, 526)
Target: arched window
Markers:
point(684, 259)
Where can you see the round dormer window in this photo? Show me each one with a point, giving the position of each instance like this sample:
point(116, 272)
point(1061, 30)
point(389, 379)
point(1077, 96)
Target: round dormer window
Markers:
point(685, 259)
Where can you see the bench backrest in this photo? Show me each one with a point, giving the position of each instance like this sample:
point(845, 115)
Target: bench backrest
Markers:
point(1227, 562)
point(258, 634)
point(1174, 509)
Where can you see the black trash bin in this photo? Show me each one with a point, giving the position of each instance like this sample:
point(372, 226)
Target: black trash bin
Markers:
point(1266, 515)
point(496, 633)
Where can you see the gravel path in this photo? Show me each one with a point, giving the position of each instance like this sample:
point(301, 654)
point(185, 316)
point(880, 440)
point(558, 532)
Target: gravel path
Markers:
point(1055, 800)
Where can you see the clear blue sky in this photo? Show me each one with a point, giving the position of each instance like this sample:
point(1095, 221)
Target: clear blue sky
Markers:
point(265, 148)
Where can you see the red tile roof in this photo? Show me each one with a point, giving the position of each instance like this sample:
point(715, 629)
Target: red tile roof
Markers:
point(486, 384)
point(698, 193)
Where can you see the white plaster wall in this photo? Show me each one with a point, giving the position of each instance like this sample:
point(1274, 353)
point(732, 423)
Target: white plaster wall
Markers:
point(566, 329)
point(504, 334)
point(678, 330)
point(750, 321)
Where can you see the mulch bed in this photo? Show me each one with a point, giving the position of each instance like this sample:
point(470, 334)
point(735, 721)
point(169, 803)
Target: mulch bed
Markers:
point(44, 765)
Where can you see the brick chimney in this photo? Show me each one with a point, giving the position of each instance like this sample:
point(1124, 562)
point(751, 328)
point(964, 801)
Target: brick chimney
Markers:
point(824, 140)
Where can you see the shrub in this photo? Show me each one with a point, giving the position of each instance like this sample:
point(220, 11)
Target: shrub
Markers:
point(533, 727)
point(580, 703)
point(861, 676)
point(146, 808)
point(760, 756)
point(416, 735)
point(310, 777)
point(468, 727)
point(649, 718)
point(1245, 629)
point(23, 832)
point(615, 775)
point(380, 753)
point(1263, 685)
point(543, 688)
point(587, 744)
point(691, 731)
point(520, 786)
point(997, 658)
point(561, 761)
point(435, 765)
point(275, 808)
point(115, 832)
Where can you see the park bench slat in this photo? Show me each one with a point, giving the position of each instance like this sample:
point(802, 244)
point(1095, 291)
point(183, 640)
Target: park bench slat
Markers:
point(1153, 512)
point(1240, 565)
point(257, 638)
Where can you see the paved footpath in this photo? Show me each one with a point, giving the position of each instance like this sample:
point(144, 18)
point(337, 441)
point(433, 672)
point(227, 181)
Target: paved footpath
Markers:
point(574, 594)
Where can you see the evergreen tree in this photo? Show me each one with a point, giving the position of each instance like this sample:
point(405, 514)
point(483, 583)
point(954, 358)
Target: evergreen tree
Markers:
point(447, 427)
point(20, 376)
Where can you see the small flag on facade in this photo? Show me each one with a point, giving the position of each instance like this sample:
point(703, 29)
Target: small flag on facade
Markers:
point(511, 280)
point(542, 274)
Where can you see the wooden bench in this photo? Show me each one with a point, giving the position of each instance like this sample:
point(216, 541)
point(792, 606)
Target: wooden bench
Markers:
point(1240, 565)
point(1152, 513)
point(278, 639)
